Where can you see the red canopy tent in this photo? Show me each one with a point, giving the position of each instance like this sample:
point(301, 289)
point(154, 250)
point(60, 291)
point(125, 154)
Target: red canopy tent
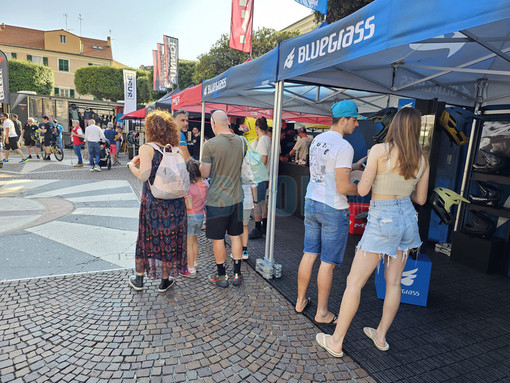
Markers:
point(136, 115)
point(191, 100)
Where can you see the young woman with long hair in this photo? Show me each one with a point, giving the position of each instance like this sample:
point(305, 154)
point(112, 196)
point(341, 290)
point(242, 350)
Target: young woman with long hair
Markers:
point(396, 173)
point(161, 243)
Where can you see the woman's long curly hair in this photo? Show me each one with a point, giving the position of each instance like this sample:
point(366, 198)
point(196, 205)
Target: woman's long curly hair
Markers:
point(160, 127)
point(404, 133)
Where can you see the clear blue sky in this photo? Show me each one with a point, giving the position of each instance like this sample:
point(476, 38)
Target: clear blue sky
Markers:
point(136, 26)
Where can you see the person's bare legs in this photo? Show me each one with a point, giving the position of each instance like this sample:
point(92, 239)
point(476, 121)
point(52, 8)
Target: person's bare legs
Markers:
point(35, 150)
point(236, 247)
point(244, 236)
point(192, 250)
point(304, 276)
point(363, 265)
point(324, 282)
point(219, 251)
point(7, 151)
point(20, 153)
point(393, 275)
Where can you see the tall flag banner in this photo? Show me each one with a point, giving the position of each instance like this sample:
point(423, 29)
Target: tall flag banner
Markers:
point(4, 80)
point(129, 90)
point(162, 66)
point(317, 5)
point(171, 60)
point(241, 26)
point(156, 84)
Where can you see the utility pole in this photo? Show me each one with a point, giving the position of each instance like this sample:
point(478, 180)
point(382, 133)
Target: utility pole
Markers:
point(80, 18)
point(65, 16)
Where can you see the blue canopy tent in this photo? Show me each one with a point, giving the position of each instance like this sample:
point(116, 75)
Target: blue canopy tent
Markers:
point(457, 54)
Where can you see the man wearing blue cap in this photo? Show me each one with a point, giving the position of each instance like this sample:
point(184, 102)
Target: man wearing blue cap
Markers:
point(326, 207)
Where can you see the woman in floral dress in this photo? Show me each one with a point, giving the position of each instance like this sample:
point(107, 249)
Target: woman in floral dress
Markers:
point(161, 243)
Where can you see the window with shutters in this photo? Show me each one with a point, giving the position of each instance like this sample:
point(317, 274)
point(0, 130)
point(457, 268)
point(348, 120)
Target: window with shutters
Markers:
point(63, 65)
point(45, 61)
point(29, 57)
point(62, 39)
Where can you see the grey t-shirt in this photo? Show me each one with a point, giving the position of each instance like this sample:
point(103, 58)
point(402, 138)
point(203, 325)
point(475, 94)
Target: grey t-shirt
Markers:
point(225, 152)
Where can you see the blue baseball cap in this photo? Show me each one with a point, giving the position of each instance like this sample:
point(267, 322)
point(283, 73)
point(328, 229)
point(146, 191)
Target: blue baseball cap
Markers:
point(346, 108)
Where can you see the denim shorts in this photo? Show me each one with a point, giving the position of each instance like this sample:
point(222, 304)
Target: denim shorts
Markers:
point(326, 230)
point(392, 225)
point(195, 222)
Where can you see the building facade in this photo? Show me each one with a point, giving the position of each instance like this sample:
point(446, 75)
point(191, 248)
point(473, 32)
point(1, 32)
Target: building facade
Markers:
point(62, 51)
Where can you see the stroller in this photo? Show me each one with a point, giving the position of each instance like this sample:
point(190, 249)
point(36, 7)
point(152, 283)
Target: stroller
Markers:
point(105, 159)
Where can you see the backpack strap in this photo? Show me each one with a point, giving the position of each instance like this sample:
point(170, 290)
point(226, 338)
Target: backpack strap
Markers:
point(157, 147)
point(247, 143)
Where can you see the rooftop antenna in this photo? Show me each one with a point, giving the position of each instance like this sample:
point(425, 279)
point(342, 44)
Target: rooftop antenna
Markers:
point(80, 18)
point(65, 16)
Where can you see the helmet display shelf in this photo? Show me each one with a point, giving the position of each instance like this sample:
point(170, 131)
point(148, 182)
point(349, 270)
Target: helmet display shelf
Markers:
point(477, 241)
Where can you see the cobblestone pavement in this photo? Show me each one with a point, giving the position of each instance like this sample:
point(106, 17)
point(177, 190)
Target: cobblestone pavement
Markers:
point(92, 327)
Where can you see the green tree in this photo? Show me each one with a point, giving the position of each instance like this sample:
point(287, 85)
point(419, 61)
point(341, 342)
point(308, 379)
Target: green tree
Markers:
point(221, 57)
point(186, 71)
point(338, 9)
point(24, 75)
point(106, 82)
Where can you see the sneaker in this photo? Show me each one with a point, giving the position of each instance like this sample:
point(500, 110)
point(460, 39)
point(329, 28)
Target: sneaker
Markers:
point(136, 282)
point(5, 161)
point(255, 234)
point(30, 156)
point(47, 158)
point(218, 280)
point(188, 274)
point(23, 160)
point(78, 165)
point(166, 284)
point(97, 169)
point(1, 164)
point(92, 168)
point(238, 280)
point(38, 157)
point(245, 254)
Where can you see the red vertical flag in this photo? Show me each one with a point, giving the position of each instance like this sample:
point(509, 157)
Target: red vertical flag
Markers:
point(241, 26)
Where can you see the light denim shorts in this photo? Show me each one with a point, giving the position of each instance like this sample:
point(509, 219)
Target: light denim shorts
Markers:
point(392, 225)
point(246, 216)
point(326, 230)
point(195, 222)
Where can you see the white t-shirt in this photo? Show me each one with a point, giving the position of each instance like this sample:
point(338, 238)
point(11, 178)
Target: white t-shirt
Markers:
point(9, 124)
point(263, 146)
point(94, 133)
point(328, 152)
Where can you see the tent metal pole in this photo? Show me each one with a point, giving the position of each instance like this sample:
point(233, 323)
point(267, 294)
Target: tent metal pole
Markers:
point(481, 84)
point(202, 130)
point(273, 173)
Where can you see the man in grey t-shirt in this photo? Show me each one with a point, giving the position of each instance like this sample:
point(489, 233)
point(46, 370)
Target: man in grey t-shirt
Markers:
point(222, 158)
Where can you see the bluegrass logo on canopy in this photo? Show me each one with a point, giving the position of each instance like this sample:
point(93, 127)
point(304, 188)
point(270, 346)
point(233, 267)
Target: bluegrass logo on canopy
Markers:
point(215, 86)
point(353, 34)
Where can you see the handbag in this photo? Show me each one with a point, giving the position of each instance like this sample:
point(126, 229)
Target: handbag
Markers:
point(253, 161)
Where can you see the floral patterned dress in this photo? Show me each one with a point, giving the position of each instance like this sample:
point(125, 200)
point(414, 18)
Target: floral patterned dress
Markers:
point(162, 231)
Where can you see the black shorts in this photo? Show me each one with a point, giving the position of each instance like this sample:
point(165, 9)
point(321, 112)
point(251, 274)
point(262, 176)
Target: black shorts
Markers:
point(221, 220)
point(13, 144)
point(29, 142)
point(47, 141)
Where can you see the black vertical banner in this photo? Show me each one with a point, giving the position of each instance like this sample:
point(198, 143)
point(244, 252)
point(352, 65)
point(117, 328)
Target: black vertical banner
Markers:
point(4, 79)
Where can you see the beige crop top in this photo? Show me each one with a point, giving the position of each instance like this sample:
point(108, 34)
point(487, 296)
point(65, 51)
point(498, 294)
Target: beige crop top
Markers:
point(390, 183)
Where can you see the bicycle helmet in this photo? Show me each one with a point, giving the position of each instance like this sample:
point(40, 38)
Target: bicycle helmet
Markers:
point(454, 120)
point(488, 162)
point(442, 200)
point(382, 120)
point(481, 225)
point(489, 195)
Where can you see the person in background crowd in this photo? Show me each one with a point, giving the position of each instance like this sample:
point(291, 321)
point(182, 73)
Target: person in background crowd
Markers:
point(222, 157)
point(118, 142)
point(47, 132)
point(261, 145)
point(29, 135)
point(94, 134)
point(195, 141)
point(57, 132)
point(397, 173)
point(181, 119)
point(326, 208)
point(302, 146)
point(287, 144)
point(161, 243)
point(2, 140)
point(17, 127)
point(195, 204)
point(10, 138)
point(78, 139)
point(111, 136)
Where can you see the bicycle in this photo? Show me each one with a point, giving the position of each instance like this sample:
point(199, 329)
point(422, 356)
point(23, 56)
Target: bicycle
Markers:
point(56, 150)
